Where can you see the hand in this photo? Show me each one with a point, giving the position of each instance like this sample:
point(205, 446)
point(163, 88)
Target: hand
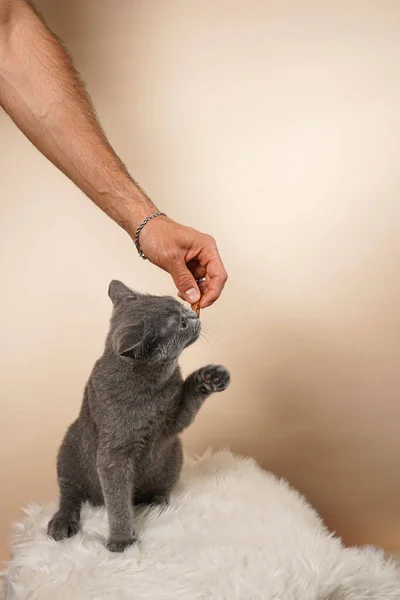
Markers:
point(187, 255)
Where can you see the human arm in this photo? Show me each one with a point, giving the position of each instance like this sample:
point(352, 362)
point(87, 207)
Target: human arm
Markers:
point(42, 92)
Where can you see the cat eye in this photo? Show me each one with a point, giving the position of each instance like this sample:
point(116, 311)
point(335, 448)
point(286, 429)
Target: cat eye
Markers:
point(184, 323)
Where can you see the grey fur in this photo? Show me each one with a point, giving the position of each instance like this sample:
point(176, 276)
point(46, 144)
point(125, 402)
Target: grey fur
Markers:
point(124, 448)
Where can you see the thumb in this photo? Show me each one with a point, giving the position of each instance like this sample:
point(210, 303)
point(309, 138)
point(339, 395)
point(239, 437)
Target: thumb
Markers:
point(185, 282)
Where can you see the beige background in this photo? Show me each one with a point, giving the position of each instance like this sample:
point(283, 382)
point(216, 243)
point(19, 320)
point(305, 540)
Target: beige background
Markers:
point(274, 126)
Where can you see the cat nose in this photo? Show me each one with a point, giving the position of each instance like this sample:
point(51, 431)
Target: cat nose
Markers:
point(190, 314)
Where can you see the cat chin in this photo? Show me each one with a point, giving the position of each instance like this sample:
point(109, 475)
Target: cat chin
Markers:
point(192, 340)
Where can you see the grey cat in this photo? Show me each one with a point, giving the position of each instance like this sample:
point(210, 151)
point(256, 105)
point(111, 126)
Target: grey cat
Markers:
point(124, 448)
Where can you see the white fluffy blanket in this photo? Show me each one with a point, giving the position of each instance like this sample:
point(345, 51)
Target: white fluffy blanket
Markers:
point(231, 532)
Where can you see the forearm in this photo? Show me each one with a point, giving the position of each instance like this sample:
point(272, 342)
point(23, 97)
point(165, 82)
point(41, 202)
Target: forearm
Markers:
point(116, 475)
point(191, 400)
point(42, 93)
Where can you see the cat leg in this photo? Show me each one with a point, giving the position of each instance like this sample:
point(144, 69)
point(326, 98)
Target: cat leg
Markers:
point(65, 522)
point(196, 389)
point(116, 477)
point(161, 475)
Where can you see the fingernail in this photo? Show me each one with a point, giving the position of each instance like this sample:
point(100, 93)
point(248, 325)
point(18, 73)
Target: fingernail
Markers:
point(192, 295)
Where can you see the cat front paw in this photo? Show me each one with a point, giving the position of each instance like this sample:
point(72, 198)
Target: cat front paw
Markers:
point(213, 378)
point(119, 545)
point(61, 527)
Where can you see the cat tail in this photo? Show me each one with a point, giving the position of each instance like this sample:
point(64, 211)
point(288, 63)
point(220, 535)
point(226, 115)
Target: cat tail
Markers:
point(367, 588)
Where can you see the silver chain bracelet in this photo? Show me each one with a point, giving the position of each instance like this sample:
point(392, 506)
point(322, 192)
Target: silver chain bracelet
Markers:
point(139, 229)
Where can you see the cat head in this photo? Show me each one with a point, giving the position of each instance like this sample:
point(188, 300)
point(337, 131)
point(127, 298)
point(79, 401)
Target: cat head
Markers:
point(149, 328)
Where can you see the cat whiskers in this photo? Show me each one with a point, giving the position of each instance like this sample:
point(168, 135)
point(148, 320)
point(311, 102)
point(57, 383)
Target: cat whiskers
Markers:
point(209, 336)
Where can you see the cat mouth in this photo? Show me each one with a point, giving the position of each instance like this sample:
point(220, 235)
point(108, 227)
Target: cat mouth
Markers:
point(196, 334)
point(197, 328)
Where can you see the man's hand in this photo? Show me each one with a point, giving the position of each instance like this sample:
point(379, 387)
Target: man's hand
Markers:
point(187, 255)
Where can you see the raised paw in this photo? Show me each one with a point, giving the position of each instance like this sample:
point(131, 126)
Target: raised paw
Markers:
point(117, 545)
point(61, 527)
point(213, 378)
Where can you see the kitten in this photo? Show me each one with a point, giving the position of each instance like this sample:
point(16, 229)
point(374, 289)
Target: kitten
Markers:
point(124, 447)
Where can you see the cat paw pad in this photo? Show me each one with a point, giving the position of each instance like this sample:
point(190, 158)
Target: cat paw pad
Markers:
point(214, 378)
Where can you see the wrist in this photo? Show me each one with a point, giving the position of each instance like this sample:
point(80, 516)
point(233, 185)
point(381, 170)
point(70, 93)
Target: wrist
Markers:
point(137, 216)
point(146, 220)
point(129, 211)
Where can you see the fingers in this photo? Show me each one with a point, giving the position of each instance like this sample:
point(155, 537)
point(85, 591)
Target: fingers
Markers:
point(201, 283)
point(197, 270)
point(185, 282)
point(216, 276)
point(209, 266)
point(216, 280)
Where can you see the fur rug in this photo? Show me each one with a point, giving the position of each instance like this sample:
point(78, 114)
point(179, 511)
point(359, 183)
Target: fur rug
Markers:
point(231, 532)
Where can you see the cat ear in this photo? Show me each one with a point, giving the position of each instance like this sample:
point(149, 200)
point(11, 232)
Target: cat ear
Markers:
point(130, 342)
point(118, 290)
